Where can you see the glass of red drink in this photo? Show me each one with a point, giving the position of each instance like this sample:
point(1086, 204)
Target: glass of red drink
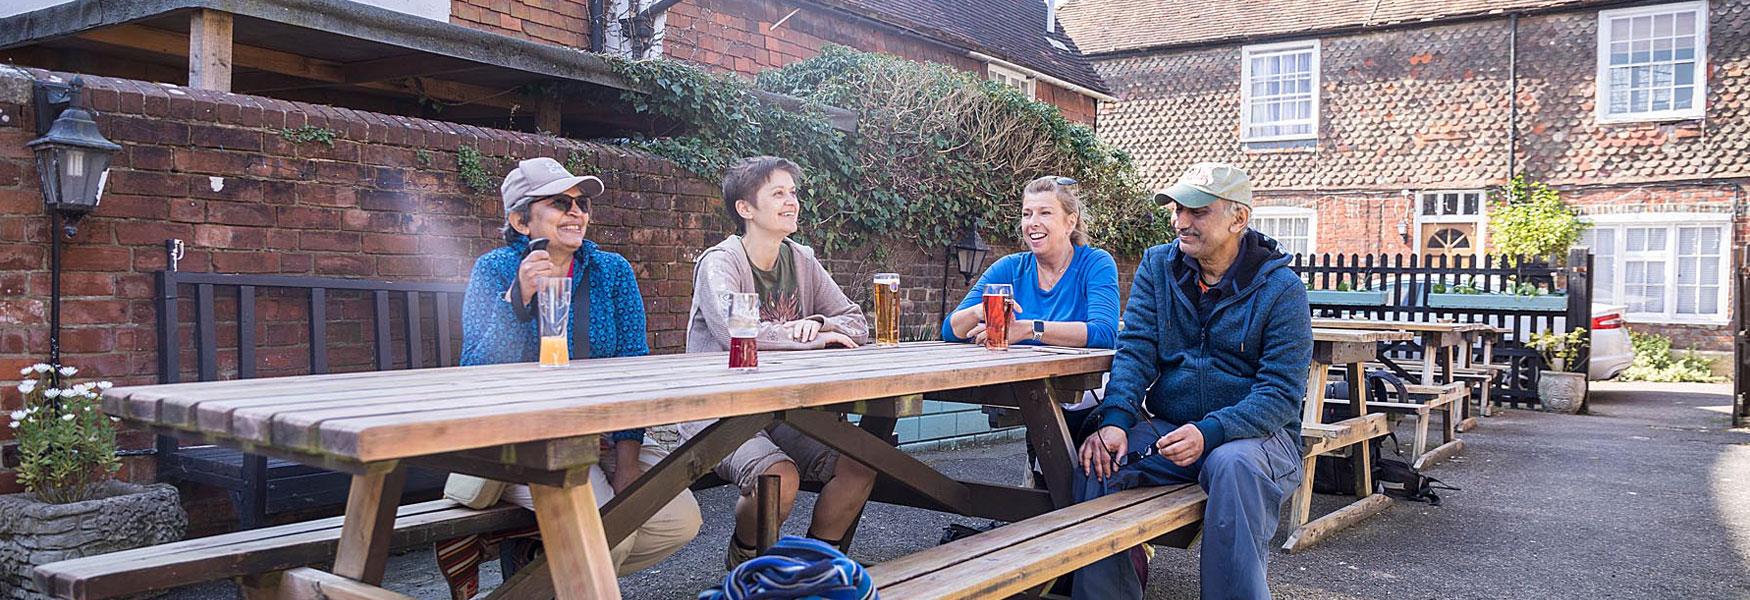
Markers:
point(998, 313)
point(744, 326)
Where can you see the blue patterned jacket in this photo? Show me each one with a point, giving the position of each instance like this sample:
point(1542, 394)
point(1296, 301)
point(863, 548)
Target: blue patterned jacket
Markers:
point(492, 333)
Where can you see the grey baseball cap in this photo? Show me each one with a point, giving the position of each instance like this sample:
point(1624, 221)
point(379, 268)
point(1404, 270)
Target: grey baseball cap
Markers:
point(542, 177)
point(1204, 183)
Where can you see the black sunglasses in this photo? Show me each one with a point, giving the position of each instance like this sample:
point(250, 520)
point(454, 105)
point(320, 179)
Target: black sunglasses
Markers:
point(1064, 181)
point(565, 203)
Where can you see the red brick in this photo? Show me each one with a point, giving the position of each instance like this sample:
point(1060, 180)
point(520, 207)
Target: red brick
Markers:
point(297, 217)
point(226, 236)
point(98, 258)
point(225, 261)
point(239, 213)
point(383, 243)
point(150, 232)
point(147, 183)
point(87, 284)
point(332, 241)
point(87, 339)
point(92, 312)
point(345, 264)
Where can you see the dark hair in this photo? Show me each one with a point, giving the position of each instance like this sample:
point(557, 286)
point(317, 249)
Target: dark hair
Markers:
point(524, 211)
point(743, 181)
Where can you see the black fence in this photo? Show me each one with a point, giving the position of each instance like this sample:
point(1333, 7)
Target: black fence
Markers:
point(1741, 345)
point(1522, 295)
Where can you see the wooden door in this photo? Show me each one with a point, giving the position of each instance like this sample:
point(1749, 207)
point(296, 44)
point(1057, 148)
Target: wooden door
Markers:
point(1449, 239)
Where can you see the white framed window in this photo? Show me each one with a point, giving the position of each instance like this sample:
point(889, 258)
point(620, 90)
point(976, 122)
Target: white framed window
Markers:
point(1011, 78)
point(1652, 63)
point(1297, 229)
point(1279, 92)
point(1665, 267)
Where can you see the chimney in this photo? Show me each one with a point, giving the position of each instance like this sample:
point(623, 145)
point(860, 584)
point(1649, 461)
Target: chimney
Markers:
point(1051, 16)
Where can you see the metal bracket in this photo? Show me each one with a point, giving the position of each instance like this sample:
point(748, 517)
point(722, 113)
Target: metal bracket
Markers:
point(50, 98)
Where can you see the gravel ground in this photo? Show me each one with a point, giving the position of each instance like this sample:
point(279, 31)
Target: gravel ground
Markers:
point(1647, 497)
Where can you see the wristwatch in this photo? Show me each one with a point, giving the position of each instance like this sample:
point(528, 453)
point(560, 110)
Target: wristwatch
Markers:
point(1038, 330)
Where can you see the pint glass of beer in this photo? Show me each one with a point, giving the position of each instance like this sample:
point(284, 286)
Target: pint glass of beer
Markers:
point(744, 327)
point(553, 302)
point(887, 309)
point(997, 315)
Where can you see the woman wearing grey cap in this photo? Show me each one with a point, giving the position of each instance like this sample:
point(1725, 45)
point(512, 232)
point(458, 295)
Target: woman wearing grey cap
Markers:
point(544, 201)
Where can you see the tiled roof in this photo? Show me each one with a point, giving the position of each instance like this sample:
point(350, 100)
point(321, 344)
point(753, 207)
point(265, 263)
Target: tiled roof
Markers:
point(1012, 30)
point(1104, 26)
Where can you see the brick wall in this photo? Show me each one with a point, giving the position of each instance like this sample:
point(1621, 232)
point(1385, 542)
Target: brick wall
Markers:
point(562, 22)
point(736, 36)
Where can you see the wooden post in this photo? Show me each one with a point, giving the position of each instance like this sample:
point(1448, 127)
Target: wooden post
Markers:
point(370, 521)
point(577, 550)
point(209, 50)
point(1741, 345)
point(548, 114)
point(1579, 272)
point(768, 493)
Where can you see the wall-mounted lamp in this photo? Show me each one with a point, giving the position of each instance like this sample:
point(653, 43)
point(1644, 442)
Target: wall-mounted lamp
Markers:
point(968, 255)
point(72, 165)
point(1404, 230)
point(72, 156)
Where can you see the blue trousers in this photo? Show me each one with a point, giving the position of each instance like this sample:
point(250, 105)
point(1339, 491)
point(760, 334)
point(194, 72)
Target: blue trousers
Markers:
point(1246, 480)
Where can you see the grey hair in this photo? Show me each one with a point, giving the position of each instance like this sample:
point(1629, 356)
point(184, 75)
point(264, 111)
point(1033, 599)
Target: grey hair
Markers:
point(1233, 210)
point(522, 209)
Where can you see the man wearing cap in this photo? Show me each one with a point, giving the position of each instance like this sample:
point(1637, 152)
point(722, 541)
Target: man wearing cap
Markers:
point(544, 201)
point(1206, 386)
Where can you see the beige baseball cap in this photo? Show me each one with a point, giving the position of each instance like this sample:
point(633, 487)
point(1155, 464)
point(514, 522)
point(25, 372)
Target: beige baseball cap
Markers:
point(1204, 183)
point(542, 177)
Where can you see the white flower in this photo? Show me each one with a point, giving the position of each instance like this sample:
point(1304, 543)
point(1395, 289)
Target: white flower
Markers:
point(40, 367)
point(27, 386)
point(15, 424)
point(67, 417)
point(24, 371)
point(103, 385)
point(19, 415)
point(115, 419)
point(68, 371)
point(52, 393)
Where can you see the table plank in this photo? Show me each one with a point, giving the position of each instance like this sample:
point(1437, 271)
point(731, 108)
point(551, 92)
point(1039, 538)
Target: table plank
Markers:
point(1386, 325)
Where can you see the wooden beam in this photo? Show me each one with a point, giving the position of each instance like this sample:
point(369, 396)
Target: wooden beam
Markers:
point(548, 114)
point(170, 43)
point(305, 583)
point(577, 550)
point(209, 50)
point(406, 65)
point(1321, 528)
point(370, 522)
point(1439, 454)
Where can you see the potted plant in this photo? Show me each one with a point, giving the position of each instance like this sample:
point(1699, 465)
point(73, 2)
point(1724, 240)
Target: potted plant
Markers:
point(1533, 222)
point(72, 506)
point(1523, 296)
point(1345, 295)
point(1557, 389)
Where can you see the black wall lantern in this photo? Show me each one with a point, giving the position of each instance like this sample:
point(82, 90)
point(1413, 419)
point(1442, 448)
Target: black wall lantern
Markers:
point(72, 163)
point(72, 157)
point(968, 254)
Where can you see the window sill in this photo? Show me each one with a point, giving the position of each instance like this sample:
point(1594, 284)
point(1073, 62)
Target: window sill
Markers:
point(1686, 119)
point(1633, 319)
point(1280, 146)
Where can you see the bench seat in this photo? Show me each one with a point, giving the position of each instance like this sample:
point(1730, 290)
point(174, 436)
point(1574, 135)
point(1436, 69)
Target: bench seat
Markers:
point(254, 551)
point(1027, 554)
point(1446, 399)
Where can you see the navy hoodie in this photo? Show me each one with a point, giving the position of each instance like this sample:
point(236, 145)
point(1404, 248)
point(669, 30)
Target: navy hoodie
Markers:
point(1236, 369)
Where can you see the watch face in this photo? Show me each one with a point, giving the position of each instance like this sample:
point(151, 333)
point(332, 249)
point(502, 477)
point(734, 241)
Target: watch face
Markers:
point(1038, 327)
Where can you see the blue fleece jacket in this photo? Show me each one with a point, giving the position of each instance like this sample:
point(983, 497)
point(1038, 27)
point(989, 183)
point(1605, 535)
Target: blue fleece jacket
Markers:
point(1087, 292)
point(1238, 370)
point(492, 333)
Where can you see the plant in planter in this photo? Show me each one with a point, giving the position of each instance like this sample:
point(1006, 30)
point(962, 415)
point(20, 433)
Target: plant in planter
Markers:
point(1559, 390)
point(1345, 294)
point(1520, 296)
point(72, 506)
point(1533, 222)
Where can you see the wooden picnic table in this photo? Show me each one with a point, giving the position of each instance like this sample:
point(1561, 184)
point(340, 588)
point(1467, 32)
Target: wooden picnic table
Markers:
point(1350, 348)
point(527, 424)
point(1444, 345)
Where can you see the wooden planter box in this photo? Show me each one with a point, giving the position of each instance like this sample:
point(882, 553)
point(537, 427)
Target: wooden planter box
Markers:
point(1346, 298)
point(1499, 301)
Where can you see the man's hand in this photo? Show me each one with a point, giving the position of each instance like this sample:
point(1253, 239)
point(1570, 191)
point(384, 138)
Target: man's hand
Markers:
point(803, 330)
point(536, 265)
point(977, 334)
point(1100, 450)
point(624, 475)
point(1183, 446)
point(834, 338)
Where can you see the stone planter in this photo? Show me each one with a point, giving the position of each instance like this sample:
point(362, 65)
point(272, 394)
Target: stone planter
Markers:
point(1346, 298)
point(1498, 301)
point(1561, 392)
point(125, 516)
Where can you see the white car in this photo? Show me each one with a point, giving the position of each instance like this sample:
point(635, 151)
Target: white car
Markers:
point(1611, 351)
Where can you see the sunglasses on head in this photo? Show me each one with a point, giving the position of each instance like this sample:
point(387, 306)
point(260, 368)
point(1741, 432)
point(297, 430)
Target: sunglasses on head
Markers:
point(1059, 180)
point(565, 203)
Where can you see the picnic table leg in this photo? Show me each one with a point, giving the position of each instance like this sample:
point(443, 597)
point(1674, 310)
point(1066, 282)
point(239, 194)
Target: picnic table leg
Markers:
point(577, 548)
point(1301, 509)
point(1362, 454)
point(1430, 352)
point(1488, 359)
point(1049, 435)
point(370, 521)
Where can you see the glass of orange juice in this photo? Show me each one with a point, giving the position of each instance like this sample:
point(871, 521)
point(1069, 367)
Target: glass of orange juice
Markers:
point(553, 302)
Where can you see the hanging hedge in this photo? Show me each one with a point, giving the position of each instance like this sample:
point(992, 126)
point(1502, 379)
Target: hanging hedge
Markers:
point(936, 149)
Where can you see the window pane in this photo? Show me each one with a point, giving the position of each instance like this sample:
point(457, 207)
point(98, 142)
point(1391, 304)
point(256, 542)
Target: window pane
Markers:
point(1686, 23)
point(1619, 29)
point(1662, 25)
point(1428, 203)
point(1686, 301)
point(1709, 271)
point(1450, 206)
point(1643, 27)
point(1637, 239)
point(1683, 97)
point(1656, 239)
point(1709, 302)
point(1686, 271)
point(1662, 49)
point(1471, 202)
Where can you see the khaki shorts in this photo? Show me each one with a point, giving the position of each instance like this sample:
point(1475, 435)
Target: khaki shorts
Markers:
point(775, 444)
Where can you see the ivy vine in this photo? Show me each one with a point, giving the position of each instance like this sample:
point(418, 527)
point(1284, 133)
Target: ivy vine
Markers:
point(309, 133)
point(470, 166)
point(936, 150)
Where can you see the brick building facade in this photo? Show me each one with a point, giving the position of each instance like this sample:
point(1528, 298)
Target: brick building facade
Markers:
point(1411, 130)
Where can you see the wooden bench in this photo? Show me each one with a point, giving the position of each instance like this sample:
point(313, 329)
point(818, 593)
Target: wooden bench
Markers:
point(1025, 555)
point(259, 551)
point(1479, 379)
point(260, 486)
point(1424, 401)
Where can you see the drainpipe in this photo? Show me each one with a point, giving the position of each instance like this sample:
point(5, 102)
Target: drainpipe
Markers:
point(1512, 96)
point(598, 26)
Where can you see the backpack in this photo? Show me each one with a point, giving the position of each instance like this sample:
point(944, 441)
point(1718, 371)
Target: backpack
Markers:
point(1336, 475)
